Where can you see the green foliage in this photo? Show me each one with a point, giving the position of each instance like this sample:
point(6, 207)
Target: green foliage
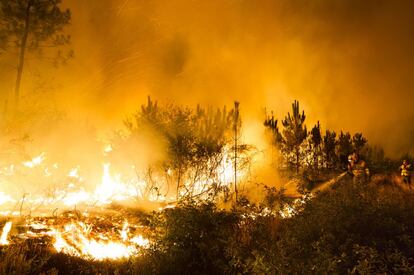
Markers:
point(352, 229)
point(192, 239)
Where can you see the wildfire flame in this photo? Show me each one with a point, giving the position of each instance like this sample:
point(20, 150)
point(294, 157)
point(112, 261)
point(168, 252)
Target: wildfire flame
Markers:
point(6, 229)
point(84, 237)
point(35, 161)
point(76, 240)
point(112, 188)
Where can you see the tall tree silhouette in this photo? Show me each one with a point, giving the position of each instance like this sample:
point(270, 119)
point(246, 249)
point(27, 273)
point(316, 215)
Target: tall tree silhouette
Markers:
point(271, 124)
point(236, 136)
point(316, 142)
point(345, 148)
point(359, 142)
point(33, 25)
point(295, 132)
point(329, 145)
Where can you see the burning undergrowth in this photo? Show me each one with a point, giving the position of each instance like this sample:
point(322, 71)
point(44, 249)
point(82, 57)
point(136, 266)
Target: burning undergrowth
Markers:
point(99, 236)
point(205, 166)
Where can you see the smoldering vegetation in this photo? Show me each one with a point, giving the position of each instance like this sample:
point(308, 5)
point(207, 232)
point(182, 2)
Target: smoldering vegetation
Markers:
point(349, 229)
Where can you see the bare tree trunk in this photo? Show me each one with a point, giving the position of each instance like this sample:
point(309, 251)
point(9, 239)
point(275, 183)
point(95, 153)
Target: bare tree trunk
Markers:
point(236, 120)
point(235, 161)
point(20, 64)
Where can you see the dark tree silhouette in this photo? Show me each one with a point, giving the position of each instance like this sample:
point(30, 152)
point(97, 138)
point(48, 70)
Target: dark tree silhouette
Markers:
point(236, 136)
point(32, 25)
point(359, 142)
point(345, 148)
point(329, 145)
point(315, 142)
point(271, 124)
point(295, 132)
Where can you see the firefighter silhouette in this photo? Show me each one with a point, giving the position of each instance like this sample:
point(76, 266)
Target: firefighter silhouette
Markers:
point(405, 169)
point(358, 168)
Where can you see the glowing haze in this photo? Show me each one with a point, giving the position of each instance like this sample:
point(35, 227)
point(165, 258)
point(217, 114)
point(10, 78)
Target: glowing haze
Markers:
point(349, 63)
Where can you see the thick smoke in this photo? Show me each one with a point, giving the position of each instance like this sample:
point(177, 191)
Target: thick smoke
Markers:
point(349, 63)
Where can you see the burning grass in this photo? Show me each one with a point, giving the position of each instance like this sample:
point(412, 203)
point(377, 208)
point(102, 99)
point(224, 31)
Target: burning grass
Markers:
point(89, 236)
point(247, 239)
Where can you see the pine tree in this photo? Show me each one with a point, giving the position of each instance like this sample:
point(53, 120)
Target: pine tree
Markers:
point(32, 25)
point(329, 145)
point(359, 142)
point(271, 124)
point(236, 137)
point(315, 142)
point(345, 148)
point(295, 132)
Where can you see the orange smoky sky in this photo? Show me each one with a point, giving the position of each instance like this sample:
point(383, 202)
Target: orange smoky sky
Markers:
point(349, 62)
